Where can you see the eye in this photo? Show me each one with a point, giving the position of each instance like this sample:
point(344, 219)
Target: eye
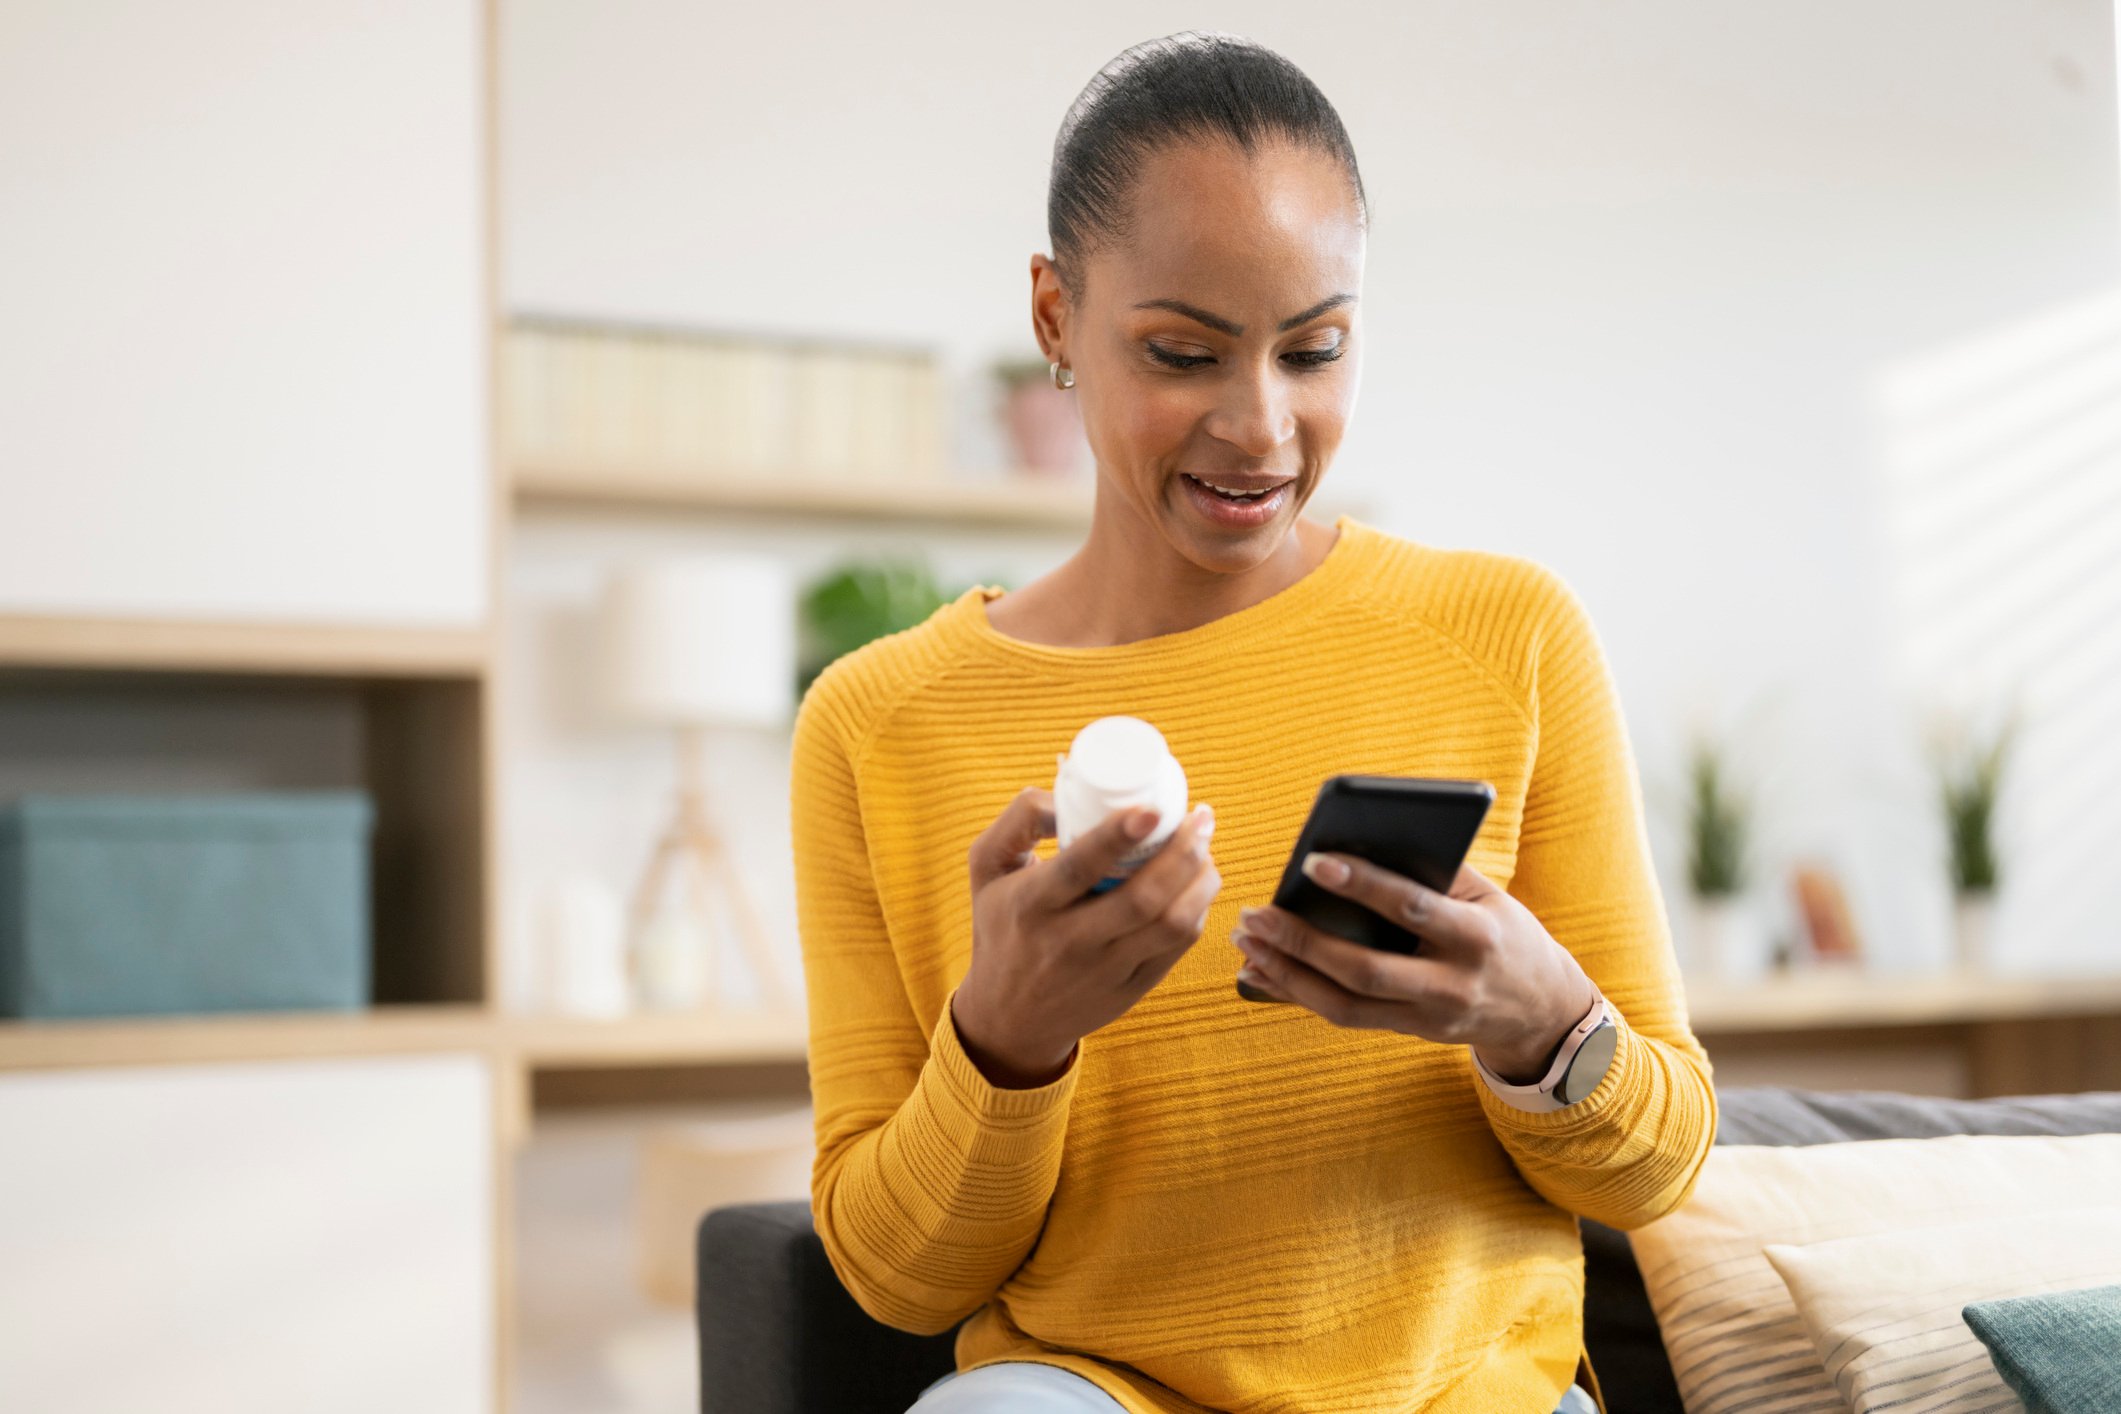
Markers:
point(1175, 360)
point(1302, 358)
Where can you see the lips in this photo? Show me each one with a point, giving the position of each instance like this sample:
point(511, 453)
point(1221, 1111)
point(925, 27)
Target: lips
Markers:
point(1243, 486)
point(1235, 512)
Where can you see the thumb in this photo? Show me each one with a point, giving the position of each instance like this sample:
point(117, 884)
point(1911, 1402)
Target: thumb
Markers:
point(1005, 846)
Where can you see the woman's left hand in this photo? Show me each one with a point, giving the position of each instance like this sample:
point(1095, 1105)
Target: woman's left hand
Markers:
point(1488, 975)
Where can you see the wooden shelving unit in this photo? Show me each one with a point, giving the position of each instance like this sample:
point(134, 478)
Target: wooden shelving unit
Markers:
point(1947, 1033)
point(652, 1038)
point(1832, 997)
point(175, 1040)
point(524, 1044)
point(1020, 500)
point(414, 740)
point(182, 645)
point(667, 1053)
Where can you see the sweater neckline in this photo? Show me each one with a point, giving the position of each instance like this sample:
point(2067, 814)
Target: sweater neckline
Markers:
point(1341, 561)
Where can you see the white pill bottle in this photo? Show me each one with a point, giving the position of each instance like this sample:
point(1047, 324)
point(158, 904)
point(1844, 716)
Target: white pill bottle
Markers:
point(1118, 763)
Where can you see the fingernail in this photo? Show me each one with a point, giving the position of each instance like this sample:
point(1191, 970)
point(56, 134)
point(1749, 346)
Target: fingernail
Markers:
point(1251, 977)
point(1324, 870)
point(1204, 820)
point(1140, 823)
point(1247, 945)
point(1257, 921)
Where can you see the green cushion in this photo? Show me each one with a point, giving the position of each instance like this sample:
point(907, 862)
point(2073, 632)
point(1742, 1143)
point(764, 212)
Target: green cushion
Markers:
point(2060, 1351)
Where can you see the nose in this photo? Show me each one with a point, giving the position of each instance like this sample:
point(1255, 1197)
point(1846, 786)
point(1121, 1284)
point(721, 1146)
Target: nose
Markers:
point(1253, 414)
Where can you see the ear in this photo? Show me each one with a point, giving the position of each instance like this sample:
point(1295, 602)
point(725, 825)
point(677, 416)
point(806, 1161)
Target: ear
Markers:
point(1049, 308)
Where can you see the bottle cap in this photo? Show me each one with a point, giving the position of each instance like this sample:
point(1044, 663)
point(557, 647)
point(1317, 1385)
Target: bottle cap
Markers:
point(1114, 763)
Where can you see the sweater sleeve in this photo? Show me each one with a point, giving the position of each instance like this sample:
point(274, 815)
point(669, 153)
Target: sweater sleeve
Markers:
point(1632, 1149)
point(930, 1184)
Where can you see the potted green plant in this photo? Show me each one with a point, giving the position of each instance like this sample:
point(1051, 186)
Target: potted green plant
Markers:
point(1718, 831)
point(1969, 778)
point(1045, 424)
point(859, 600)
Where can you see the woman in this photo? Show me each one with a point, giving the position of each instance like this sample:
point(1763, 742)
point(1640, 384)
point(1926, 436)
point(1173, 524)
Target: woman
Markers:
point(1050, 1110)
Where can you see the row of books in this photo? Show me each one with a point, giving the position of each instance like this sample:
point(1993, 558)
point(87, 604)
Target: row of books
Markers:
point(585, 397)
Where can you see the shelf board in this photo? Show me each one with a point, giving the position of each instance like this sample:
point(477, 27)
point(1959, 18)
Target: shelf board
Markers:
point(534, 1043)
point(654, 1039)
point(37, 641)
point(238, 1036)
point(1831, 997)
point(1826, 1000)
point(1021, 501)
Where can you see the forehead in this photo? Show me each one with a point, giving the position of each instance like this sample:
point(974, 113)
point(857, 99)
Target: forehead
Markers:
point(1268, 234)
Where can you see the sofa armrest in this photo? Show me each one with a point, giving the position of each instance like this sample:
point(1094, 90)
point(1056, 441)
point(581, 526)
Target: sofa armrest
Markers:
point(780, 1335)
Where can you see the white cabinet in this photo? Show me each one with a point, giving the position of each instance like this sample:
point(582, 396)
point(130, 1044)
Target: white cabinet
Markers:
point(243, 264)
point(314, 1236)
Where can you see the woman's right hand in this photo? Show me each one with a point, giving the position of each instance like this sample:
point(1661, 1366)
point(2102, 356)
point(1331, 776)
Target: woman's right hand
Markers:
point(1052, 962)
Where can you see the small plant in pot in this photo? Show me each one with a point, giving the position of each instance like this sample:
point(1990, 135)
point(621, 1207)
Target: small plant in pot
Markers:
point(1718, 827)
point(859, 600)
point(1969, 776)
point(1045, 425)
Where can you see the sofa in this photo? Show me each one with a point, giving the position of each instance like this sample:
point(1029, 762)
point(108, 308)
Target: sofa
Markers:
point(778, 1334)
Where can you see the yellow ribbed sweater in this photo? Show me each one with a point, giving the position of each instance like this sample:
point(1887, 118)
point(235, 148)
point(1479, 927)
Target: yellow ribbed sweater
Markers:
point(1224, 1205)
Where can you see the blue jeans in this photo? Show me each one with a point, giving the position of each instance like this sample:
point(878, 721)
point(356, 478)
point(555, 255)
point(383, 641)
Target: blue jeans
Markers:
point(1027, 1387)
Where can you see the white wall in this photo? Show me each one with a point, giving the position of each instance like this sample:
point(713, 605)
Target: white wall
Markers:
point(243, 267)
point(1634, 269)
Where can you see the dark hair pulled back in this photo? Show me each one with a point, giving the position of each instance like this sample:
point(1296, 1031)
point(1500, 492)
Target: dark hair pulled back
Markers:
point(1196, 84)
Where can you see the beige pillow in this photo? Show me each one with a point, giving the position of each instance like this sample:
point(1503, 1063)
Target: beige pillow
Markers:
point(1729, 1325)
point(1883, 1310)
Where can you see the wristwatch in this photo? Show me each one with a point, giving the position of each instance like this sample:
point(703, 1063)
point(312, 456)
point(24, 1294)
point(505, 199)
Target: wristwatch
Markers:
point(1585, 1055)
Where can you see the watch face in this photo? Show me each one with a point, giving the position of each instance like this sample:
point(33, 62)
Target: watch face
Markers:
point(1589, 1066)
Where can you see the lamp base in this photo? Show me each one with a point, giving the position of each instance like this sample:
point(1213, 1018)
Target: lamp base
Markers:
point(691, 844)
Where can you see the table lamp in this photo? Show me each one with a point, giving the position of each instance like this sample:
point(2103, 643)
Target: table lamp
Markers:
point(698, 642)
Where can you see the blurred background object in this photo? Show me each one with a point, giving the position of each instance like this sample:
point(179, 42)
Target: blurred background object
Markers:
point(1829, 931)
point(586, 971)
point(699, 643)
point(162, 905)
point(1045, 422)
point(858, 601)
point(591, 403)
point(1719, 821)
point(1970, 776)
point(692, 1167)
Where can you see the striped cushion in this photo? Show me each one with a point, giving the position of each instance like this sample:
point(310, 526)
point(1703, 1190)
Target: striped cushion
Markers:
point(1883, 1310)
point(1728, 1323)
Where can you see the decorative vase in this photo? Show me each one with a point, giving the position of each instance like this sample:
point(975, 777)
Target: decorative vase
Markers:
point(1713, 935)
point(1045, 428)
point(584, 950)
point(1971, 916)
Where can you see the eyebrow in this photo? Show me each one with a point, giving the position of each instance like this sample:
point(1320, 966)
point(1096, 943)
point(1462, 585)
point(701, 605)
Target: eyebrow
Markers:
point(1216, 321)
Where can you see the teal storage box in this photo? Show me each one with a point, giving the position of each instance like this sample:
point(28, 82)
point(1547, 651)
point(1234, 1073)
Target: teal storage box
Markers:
point(134, 905)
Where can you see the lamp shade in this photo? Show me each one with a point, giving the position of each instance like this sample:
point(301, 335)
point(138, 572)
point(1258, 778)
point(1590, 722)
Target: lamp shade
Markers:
point(706, 639)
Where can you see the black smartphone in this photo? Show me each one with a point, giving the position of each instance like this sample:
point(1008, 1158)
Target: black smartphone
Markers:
point(1411, 825)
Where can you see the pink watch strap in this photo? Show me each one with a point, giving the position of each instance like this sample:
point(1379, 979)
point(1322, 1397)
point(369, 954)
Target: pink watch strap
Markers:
point(1539, 1095)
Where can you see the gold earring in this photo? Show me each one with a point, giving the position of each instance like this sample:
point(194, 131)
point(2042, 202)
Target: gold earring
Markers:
point(1058, 381)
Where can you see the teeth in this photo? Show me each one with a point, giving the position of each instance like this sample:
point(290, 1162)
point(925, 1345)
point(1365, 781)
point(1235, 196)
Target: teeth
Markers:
point(1227, 492)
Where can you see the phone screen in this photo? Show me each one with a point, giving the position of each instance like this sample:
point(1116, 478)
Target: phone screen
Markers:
point(1411, 825)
